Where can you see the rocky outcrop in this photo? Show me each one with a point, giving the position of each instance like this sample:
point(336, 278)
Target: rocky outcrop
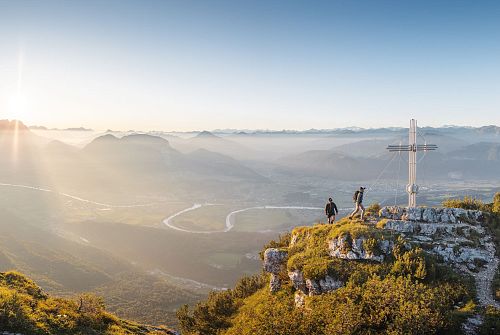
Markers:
point(313, 286)
point(274, 260)
point(297, 280)
point(323, 285)
point(433, 215)
point(357, 248)
point(274, 283)
point(455, 235)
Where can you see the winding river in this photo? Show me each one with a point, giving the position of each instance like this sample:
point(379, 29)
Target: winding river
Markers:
point(229, 224)
point(229, 217)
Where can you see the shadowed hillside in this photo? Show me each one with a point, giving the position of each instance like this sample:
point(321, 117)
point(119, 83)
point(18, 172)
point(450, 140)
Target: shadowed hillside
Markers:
point(25, 308)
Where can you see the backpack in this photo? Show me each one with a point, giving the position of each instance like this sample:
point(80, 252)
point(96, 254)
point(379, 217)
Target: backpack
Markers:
point(355, 196)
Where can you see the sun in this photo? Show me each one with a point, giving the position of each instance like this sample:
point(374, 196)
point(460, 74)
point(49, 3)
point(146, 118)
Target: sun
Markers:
point(18, 107)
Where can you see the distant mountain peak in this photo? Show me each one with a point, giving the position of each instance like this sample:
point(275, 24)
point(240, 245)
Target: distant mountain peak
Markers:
point(107, 137)
point(492, 129)
point(206, 134)
point(11, 125)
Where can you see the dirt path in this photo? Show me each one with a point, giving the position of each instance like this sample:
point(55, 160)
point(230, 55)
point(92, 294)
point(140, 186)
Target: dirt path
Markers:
point(484, 279)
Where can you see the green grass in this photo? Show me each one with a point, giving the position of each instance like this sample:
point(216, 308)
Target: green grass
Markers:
point(310, 251)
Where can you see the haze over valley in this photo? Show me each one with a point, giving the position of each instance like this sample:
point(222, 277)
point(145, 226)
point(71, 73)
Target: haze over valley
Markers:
point(166, 167)
point(189, 212)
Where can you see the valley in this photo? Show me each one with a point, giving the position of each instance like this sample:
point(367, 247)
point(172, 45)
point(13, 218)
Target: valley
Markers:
point(121, 211)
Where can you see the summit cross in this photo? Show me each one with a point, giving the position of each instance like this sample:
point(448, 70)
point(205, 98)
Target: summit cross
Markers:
point(412, 148)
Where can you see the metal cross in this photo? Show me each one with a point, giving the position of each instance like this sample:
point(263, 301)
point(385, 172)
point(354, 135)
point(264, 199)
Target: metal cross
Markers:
point(412, 148)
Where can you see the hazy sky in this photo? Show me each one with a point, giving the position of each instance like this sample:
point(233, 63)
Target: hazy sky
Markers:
point(182, 65)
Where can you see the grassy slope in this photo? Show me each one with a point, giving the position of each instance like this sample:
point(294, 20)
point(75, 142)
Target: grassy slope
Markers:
point(25, 308)
point(409, 293)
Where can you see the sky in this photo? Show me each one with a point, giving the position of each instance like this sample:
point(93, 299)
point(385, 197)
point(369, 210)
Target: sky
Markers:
point(194, 65)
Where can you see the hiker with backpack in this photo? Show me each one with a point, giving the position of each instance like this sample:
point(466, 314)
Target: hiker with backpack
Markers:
point(358, 203)
point(331, 210)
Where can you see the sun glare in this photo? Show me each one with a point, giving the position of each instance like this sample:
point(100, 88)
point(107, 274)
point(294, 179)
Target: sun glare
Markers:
point(18, 107)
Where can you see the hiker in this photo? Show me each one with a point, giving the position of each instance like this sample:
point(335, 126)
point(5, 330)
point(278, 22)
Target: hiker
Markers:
point(331, 210)
point(358, 203)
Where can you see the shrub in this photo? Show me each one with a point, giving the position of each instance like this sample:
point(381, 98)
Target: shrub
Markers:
point(373, 210)
point(496, 203)
point(15, 310)
point(412, 263)
point(379, 306)
point(208, 317)
point(465, 203)
point(25, 308)
point(491, 323)
point(247, 286)
point(317, 268)
point(371, 246)
point(381, 224)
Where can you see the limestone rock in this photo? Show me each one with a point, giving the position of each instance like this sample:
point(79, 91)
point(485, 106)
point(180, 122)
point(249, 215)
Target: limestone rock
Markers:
point(400, 226)
point(392, 212)
point(300, 299)
point(313, 287)
point(273, 260)
point(342, 247)
point(462, 255)
point(297, 279)
point(275, 283)
point(431, 215)
point(413, 214)
point(329, 284)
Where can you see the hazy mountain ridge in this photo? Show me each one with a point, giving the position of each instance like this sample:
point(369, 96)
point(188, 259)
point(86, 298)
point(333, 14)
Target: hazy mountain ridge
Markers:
point(101, 244)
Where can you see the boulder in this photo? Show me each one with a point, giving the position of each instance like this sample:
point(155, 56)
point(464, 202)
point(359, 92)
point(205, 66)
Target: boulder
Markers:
point(342, 247)
point(275, 283)
point(297, 279)
point(274, 259)
point(329, 284)
point(466, 256)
